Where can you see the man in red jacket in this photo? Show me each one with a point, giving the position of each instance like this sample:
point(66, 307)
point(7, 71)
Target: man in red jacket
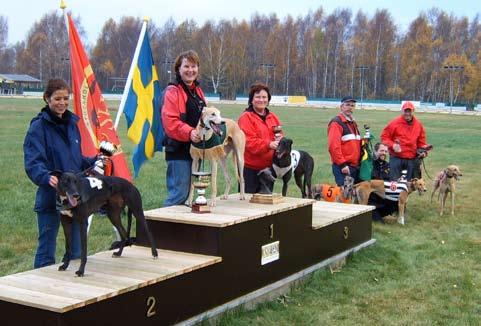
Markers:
point(405, 136)
point(344, 142)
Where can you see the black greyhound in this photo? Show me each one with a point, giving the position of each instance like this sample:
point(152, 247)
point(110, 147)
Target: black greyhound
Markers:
point(82, 196)
point(286, 160)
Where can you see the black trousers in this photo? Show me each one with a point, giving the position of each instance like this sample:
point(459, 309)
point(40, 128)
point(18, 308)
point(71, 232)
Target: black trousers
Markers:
point(383, 206)
point(396, 165)
point(252, 181)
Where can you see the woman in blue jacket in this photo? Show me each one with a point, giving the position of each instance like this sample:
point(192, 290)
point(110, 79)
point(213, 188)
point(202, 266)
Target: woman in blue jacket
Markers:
point(52, 143)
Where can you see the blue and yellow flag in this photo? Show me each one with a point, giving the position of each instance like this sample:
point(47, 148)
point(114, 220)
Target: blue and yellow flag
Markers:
point(142, 109)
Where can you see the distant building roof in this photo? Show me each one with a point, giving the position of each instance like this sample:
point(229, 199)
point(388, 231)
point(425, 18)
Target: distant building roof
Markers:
point(18, 78)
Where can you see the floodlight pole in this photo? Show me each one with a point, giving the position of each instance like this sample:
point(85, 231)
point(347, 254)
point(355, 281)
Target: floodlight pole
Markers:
point(67, 61)
point(266, 67)
point(168, 62)
point(452, 68)
point(361, 73)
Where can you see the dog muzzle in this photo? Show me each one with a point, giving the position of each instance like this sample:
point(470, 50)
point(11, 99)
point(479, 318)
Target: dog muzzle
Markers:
point(73, 199)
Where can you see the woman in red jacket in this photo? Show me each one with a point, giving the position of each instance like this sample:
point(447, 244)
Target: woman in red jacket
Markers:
point(183, 104)
point(258, 124)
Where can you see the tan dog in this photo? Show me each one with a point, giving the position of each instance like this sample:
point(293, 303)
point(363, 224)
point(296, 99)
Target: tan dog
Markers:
point(220, 137)
point(446, 183)
point(390, 190)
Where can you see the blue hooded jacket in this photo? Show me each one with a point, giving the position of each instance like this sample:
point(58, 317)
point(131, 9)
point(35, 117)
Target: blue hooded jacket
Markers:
point(52, 143)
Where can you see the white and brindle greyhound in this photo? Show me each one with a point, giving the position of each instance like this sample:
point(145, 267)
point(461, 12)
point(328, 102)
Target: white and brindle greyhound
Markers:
point(219, 137)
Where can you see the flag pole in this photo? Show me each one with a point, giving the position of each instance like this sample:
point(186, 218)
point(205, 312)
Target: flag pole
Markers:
point(63, 6)
point(131, 72)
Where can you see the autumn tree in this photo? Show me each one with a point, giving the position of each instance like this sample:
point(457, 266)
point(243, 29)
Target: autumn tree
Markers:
point(112, 54)
point(46, 52)
point(215, 46)
point(318, 54)
point(7, 54)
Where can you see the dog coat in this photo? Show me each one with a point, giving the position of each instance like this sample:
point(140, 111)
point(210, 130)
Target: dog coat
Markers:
point(212, 148)
point(332, 194)
point(392, 189)
point(280, 172)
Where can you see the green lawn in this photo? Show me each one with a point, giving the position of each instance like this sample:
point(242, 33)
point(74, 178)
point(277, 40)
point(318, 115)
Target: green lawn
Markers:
point(425, 273)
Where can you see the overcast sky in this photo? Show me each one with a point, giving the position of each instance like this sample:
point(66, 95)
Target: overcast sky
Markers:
point(22, 14)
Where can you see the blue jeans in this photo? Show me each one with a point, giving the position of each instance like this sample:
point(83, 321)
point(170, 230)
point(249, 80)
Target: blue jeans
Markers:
point(48, 224)
point(339, 176)
point(178, 182)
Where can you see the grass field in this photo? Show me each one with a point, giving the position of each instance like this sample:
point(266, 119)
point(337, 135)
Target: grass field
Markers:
point(425, 273)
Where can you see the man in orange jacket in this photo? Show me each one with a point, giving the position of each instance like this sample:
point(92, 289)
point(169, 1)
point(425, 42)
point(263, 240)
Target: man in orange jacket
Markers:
point(344, 142)
point(406, 139)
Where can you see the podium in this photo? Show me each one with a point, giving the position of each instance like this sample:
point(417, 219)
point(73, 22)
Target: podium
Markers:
point(205, 261)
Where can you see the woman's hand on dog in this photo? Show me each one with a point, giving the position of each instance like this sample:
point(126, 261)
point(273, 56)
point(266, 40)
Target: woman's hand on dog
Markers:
point(194, 136)
point(345, 170)
point(274, 144)
point(53, 181)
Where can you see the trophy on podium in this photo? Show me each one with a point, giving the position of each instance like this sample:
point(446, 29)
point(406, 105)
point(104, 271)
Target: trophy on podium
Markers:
point(201, 180)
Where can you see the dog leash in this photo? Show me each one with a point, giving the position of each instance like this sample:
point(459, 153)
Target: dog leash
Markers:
point(203, 155)
point(426, 171)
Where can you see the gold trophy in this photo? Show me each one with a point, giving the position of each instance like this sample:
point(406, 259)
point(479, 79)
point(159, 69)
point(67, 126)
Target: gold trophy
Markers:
point(201, 180)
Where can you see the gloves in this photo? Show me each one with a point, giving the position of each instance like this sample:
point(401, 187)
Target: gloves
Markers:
point(99, 165)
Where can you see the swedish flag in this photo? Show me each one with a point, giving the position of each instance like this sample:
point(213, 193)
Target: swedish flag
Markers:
point(142, 109)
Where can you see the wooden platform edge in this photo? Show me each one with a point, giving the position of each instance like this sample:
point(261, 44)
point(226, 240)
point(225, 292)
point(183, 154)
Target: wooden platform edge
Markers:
point(279, 287)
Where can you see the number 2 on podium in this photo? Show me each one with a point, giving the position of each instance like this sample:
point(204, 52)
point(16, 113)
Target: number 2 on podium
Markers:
point(150, 306)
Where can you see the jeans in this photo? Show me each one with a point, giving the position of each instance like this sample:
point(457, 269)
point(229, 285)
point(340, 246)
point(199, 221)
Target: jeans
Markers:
point(48, 224)
point(178, 182)
point(339, 176)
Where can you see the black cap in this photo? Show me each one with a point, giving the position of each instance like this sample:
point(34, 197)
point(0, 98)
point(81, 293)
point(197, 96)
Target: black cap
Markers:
point(348, 99)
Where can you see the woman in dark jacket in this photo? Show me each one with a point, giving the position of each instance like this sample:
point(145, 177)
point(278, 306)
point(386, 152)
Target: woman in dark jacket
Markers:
point(52, 143)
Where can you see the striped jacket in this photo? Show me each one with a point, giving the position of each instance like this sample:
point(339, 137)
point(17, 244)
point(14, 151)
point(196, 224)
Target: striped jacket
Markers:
point(392, 189)
point(344, 141)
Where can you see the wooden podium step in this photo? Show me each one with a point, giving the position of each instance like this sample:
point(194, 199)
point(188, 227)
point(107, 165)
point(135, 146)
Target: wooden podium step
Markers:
point(326, 213)
point(105, 277)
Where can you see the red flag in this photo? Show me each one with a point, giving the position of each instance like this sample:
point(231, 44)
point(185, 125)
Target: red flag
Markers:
point(95, 123)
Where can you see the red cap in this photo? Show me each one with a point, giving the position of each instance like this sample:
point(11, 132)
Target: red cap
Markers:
point(408, 105)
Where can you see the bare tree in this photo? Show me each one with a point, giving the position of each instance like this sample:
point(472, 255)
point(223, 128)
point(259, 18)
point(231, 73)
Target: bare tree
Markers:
point(46, 51)
point(215, 48)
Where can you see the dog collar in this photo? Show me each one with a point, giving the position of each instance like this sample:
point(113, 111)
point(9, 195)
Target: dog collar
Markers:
point(213, 141)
